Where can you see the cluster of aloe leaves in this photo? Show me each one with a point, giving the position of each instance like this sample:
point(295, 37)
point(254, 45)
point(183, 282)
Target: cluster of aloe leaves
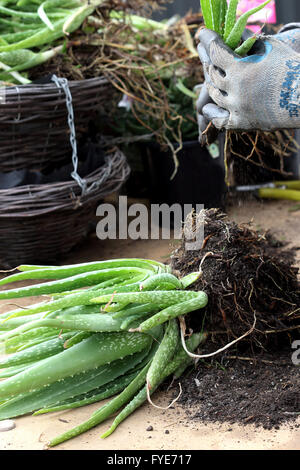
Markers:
point(109, 330)
point(221, 17)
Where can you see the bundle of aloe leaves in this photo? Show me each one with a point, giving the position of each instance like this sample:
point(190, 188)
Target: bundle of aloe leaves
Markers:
point(108, 329)
point(29, 28)
point(221, 17)
point(33, 32)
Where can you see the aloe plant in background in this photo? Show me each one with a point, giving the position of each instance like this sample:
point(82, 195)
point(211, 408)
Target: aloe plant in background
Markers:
point(221, 17)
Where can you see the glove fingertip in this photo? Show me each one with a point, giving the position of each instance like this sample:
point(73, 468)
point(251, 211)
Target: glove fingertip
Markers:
point(204, 57)
point(202, 123)
point(206, 36)
point(218, 116)
point(203, 99)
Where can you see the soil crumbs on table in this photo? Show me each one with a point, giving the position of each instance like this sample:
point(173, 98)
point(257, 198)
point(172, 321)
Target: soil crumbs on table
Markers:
point(246, 275)
point(243, 391)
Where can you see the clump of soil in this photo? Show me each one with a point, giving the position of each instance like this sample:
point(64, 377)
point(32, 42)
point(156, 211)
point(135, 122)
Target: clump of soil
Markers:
point(249, 280)
point(252, 287)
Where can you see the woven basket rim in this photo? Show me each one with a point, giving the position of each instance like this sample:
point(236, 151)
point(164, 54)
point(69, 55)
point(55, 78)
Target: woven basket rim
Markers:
point(38, 87)
point(34, 127)
point(39, 199)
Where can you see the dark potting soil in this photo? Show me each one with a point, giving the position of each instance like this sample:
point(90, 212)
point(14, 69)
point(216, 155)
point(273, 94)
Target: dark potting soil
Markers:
point(252, 288)
point(250, 281)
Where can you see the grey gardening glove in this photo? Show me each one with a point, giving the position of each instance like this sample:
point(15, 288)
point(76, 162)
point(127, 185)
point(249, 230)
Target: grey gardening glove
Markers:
point(290, 35)
point(207, 132)
point(260, 91)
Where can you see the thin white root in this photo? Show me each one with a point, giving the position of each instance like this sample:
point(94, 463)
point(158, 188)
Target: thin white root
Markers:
point(8, 270)
point(202, 356)
point(210, 253)
point(21, 307)
point(13, 305)
point(162, 407)
point(108, 303)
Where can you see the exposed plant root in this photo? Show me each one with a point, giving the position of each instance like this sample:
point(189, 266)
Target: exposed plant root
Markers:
point(247, 277)
point(220, 350)
point(266, 151)
point(163, 407)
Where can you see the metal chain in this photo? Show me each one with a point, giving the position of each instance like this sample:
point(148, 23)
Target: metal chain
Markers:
point(63, 84)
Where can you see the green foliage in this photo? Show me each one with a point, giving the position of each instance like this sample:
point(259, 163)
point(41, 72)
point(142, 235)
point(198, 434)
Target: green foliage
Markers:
point(214, 12)
point(181, 115)
point(95, 341)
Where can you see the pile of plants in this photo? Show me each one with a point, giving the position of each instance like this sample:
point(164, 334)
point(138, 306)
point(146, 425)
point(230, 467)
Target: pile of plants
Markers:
point(153, 65)
point(109, 329)
point(120, 328)
point(258, 155)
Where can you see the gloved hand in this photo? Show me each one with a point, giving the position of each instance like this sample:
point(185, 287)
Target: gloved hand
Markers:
point(260, 91)
point(290, 35)
point(207, 133)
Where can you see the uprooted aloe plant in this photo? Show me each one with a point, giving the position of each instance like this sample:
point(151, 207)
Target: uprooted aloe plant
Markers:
point(222, 18)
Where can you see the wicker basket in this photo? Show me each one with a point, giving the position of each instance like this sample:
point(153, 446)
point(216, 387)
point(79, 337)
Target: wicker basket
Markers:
point(41, 223)
point(34, 129)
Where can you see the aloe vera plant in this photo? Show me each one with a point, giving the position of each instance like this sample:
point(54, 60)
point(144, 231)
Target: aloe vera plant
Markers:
point(109, 331)
point(221, 17)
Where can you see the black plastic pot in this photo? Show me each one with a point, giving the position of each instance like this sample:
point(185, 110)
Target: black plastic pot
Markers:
point(263, 167)
point(199, 178)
